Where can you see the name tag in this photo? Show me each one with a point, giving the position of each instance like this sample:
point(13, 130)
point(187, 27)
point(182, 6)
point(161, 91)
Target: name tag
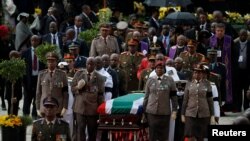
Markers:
point(240, 59)
point(219, 53)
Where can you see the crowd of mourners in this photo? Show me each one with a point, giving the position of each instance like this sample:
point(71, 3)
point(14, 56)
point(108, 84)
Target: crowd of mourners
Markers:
point(190, 74)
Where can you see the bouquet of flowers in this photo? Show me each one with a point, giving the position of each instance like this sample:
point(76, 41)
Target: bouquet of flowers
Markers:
point(104, 15)
point(15, 121)
point(235, 18)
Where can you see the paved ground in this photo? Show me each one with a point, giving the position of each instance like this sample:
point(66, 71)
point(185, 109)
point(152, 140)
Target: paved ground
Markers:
point(223, 120)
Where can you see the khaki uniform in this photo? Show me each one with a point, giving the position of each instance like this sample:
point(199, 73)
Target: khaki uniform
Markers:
point(100, 47)
point(198, 99)
point(190, 61)
point(41, 131)
point(86, 103)
point(91, 95)
point(55, 86)
point(130, 64)
point(144, 77)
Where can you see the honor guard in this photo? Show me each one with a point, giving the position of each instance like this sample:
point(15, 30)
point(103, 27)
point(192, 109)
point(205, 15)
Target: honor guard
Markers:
point(130, 61)
point(52, 82)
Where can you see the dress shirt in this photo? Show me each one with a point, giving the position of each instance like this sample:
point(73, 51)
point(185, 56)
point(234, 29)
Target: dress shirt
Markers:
point(108, 83)
point(52, 39)
point(34, 72)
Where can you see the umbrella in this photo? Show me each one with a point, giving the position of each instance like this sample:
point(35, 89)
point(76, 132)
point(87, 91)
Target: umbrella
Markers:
point(177, 18)
point(161, 3)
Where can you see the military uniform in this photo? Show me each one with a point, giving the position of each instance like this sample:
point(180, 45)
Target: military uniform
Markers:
point(86, 103)
point(130, 64)
point(190, 61)
point(55, 85)
point(100, 46)
point(144, 77)
point(43, 131)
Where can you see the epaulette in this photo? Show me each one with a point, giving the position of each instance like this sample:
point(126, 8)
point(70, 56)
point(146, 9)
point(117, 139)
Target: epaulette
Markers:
point(98, 37)
point(41, 72)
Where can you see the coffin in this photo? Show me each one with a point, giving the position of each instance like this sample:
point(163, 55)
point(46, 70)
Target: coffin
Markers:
point(122, 112)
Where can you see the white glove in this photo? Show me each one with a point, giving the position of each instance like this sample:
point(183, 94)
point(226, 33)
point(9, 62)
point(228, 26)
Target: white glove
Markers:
point(38, 113)
point(183, 118)
point(212, 120)
point(80, 84)
point(63, 111)
point(173, 115)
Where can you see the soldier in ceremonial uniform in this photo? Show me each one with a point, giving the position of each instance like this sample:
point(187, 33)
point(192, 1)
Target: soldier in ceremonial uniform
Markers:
point(52, 82)
point(50, 128)
point(190, 57)
point(130, 61)
point(80, 61)
point(122, 79)
point(146, 72)
point(88, 89)
point(104, 44)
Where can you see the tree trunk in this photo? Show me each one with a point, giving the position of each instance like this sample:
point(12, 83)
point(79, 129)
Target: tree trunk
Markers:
point(12, 96)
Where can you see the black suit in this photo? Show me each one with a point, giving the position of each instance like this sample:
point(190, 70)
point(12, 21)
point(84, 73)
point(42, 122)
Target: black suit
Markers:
point(29, 82)
point(114, 75)
point(87, 23)
point(243, 75)
point(48, 38)
point(206, 26)
point(220, 69)
point(93, 17)
point(48, 20)
point(153, 23)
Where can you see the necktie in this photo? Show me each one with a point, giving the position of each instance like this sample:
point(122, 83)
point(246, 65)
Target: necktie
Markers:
point(105, 41)
point(51, 73)
point(35, 63)
point(165, 43)
point(50, 126)
point(159, 78)
point(88, 76)
point(54, 40)
point(77, 32)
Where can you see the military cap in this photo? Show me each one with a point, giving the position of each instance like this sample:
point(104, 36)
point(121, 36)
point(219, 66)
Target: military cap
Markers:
point(68, 56)
point(151, 57)
point(122, 25)
point(192, 43)
point(212, 51)
point(74, 45)
point(61, 65)
point(159, 63)
point(138, 25)
point(133, 42)
point(202, 67)
point(52, 56)
point(50, 101)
